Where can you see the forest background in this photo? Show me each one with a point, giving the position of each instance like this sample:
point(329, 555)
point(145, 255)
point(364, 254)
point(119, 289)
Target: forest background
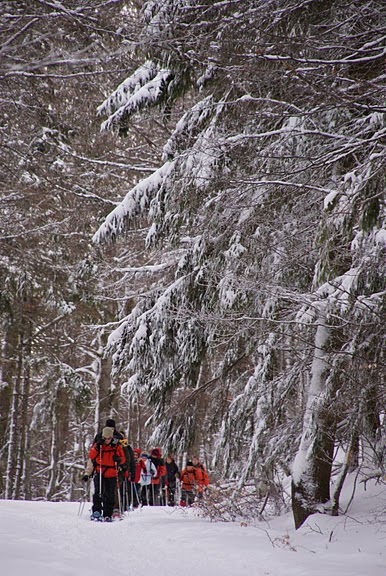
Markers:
point(209, 267)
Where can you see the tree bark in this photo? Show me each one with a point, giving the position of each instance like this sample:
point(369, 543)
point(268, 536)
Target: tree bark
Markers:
point(22, 460)
point(312, 466)
point(104, 392)
point(13, 425)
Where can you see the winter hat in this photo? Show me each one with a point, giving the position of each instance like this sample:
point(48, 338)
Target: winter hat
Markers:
point(189, 463)
point(144, 455)
point(110, 423)
point(108, 432)
point(137, 451)
point(156, 452)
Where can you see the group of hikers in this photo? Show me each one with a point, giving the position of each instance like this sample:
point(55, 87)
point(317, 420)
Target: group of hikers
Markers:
point(126, 478)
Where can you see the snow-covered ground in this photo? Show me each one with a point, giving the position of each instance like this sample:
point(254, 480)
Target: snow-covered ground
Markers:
point(51, 539)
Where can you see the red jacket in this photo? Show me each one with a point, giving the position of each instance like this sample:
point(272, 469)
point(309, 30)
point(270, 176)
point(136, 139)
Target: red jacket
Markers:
point(140, 466)
point(159, 464)
point(202, 477)
point(188, 479)
point(161, 472)
point(104, 458)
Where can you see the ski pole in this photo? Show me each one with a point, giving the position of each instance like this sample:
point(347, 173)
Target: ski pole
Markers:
point(177, 496)
point(127, 493)
point(118, 489)
point(100, 481)
point(81, 506)
point(136, 493)
point(160, 498)
point(82, 501)
point(125, 499)
point(122, 489)
point(91, 490)
point(131, 496)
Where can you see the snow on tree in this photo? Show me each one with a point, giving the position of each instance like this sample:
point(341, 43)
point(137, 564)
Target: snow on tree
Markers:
point(270, 207)
point(56, 176)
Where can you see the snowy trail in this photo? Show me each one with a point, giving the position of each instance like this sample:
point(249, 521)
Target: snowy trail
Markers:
point(50, 539)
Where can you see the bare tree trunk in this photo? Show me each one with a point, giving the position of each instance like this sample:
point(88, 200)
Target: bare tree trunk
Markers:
point(21, 461)
point(312, 466)
point(371, 427)
point(139, 423)
point(343, 473)
point(104, 392)
point(8, 395)
point(13, 424)
point(26, 473)
point(53, 458)
point(7, 371)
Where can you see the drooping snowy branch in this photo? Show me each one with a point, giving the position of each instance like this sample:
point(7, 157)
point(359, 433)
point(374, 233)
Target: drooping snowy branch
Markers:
point(143, 96)
point(135, 203)
point(127, 88)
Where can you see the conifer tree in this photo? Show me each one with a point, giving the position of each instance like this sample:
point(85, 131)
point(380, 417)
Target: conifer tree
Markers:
point(269, 211)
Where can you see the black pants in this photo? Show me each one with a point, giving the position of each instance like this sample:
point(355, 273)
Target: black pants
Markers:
point(154, 495)
point(145, 495)
point(124, 489)
point(104, 503)
point(171, 493)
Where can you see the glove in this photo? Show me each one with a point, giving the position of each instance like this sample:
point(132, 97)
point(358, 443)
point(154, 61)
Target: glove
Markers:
point(85, 478)
point(116, 459)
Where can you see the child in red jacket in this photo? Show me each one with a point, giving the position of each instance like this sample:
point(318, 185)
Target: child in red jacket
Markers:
point(188, 481)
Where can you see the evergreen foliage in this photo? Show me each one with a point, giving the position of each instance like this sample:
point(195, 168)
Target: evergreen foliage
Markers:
point(272, 195)
point(234, 295)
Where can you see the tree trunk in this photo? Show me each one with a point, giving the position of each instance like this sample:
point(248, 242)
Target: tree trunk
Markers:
point(13, 425)
point(312, 466)
point(371, 427)
point(343, 473)
point(21, 472)
point(7, 372)
point(50, 490)
point(104, 392)
point(8, 396)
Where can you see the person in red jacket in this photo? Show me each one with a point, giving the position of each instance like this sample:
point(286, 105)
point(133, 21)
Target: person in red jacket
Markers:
point(157, 482)
point(135, 486)
point(202, 476)
point(107, 456)
point(188, 484)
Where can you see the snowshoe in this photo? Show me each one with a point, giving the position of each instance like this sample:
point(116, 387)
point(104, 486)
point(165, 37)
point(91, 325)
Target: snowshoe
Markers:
point(96, 517)
point(107, 519)
point(116, 515)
